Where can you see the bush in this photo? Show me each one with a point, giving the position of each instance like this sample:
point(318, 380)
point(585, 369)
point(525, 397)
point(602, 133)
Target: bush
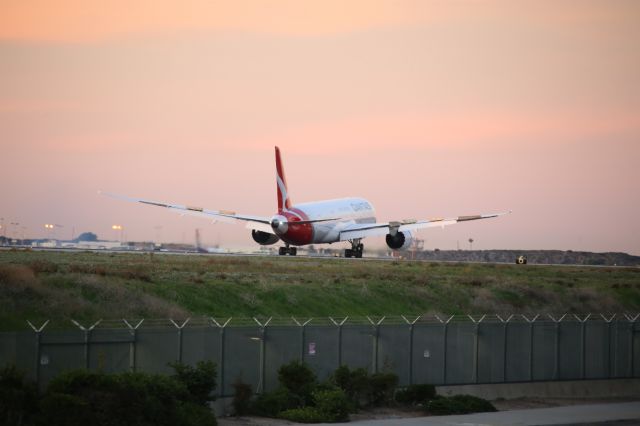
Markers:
point(459, 404)
point(195, 415)
point(354, 383)
point(270, 404)
point(199, 381)
point(18, 397)
point(416, 394)
point(61, 409)
point(383, 386)
point(333, 405)
point(299, 380)
point(303, 415)
point(330, 406)
point(83, 398)
point(241, 398)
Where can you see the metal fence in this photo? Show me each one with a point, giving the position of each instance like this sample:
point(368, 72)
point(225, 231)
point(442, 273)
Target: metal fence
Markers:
point(425, 349)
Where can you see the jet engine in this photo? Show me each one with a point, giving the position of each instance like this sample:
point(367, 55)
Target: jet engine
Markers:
point(399, 241)
point(264, 238)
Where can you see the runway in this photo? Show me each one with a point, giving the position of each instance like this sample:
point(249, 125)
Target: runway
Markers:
point(365, 258)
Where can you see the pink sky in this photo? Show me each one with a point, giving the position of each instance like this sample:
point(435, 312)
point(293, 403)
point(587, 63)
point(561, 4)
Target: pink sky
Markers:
point(426, 108)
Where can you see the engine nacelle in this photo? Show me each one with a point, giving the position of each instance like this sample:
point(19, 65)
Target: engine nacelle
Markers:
point(264, 238)
point(400, 241)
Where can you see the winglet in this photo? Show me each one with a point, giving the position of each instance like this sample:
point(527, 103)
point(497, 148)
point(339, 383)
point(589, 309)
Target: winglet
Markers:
point(284, 202)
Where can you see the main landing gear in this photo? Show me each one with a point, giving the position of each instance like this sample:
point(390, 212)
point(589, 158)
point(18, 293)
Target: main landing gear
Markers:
point(355, 250)
point(291, 251)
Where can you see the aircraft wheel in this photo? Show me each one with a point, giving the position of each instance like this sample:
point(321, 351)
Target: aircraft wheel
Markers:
point(282, 251)
point(293, 251)
point(348, 253)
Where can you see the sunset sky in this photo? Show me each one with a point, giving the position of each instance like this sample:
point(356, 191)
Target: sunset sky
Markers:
point(425, 108)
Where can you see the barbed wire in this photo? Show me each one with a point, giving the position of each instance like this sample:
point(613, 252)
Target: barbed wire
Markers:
point(331, 321)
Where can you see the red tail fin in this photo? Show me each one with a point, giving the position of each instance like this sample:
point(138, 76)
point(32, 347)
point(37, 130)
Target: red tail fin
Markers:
point(284, 202)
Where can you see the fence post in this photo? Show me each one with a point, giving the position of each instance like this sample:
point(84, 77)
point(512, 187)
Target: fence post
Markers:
point(583, 344)
point(339, 326)
point(37, 330)
point(609, 322)
point(530, 321)
point(87, 336)
point(505, 323)
point(474, 373)
point(302, 334)
point(445, 325)
point(180, 327)
point(133, 330)
point(556, 356)
point(376, 335)
point(221, 354)
point(632, 321)
point(262, 336)
point(411, 324)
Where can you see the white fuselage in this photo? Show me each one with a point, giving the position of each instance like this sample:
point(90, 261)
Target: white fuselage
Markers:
point(345, 211)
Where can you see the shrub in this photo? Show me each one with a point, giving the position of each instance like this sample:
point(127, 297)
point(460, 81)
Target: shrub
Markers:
point(270, 404)
point(299, 380)
point(302, 415)
point(333, 405)
point(200, 380)
point(354, 383)
point(459, 404)
point(416, 394)
point(195, 415)
point(82, 398)
point(241, 398)
point(18, 397)
point(59, 409)
point(383, 386)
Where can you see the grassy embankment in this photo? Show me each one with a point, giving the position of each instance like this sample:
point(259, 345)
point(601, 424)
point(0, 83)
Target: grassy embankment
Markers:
point(85, 286)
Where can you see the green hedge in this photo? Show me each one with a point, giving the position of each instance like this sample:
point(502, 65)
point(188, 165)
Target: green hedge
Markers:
point(332, 405)
point(97, 399)
point(300, 380)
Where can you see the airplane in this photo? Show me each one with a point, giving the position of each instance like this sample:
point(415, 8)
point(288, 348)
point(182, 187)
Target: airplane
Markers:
point(320, 222)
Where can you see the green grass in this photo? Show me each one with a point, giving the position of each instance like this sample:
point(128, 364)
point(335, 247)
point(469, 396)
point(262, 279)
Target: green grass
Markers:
point(87, 286)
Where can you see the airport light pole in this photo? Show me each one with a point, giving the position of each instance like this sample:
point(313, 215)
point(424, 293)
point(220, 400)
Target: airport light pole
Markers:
point(117, 228)
point(22, 229)
point(49, 228)
point(15, 224)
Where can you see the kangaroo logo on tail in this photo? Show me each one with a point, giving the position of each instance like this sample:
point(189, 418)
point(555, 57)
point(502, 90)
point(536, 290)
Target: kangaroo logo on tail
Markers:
point(284, 202)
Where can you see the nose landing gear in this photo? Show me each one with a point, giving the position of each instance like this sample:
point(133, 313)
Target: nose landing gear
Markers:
point(356, 249)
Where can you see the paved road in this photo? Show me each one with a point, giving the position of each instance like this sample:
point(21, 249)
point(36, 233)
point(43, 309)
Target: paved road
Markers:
point(571, 415)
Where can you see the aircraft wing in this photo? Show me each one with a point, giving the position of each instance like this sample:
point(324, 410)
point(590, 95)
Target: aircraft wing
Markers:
point(361, 230)
point(258, 223)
